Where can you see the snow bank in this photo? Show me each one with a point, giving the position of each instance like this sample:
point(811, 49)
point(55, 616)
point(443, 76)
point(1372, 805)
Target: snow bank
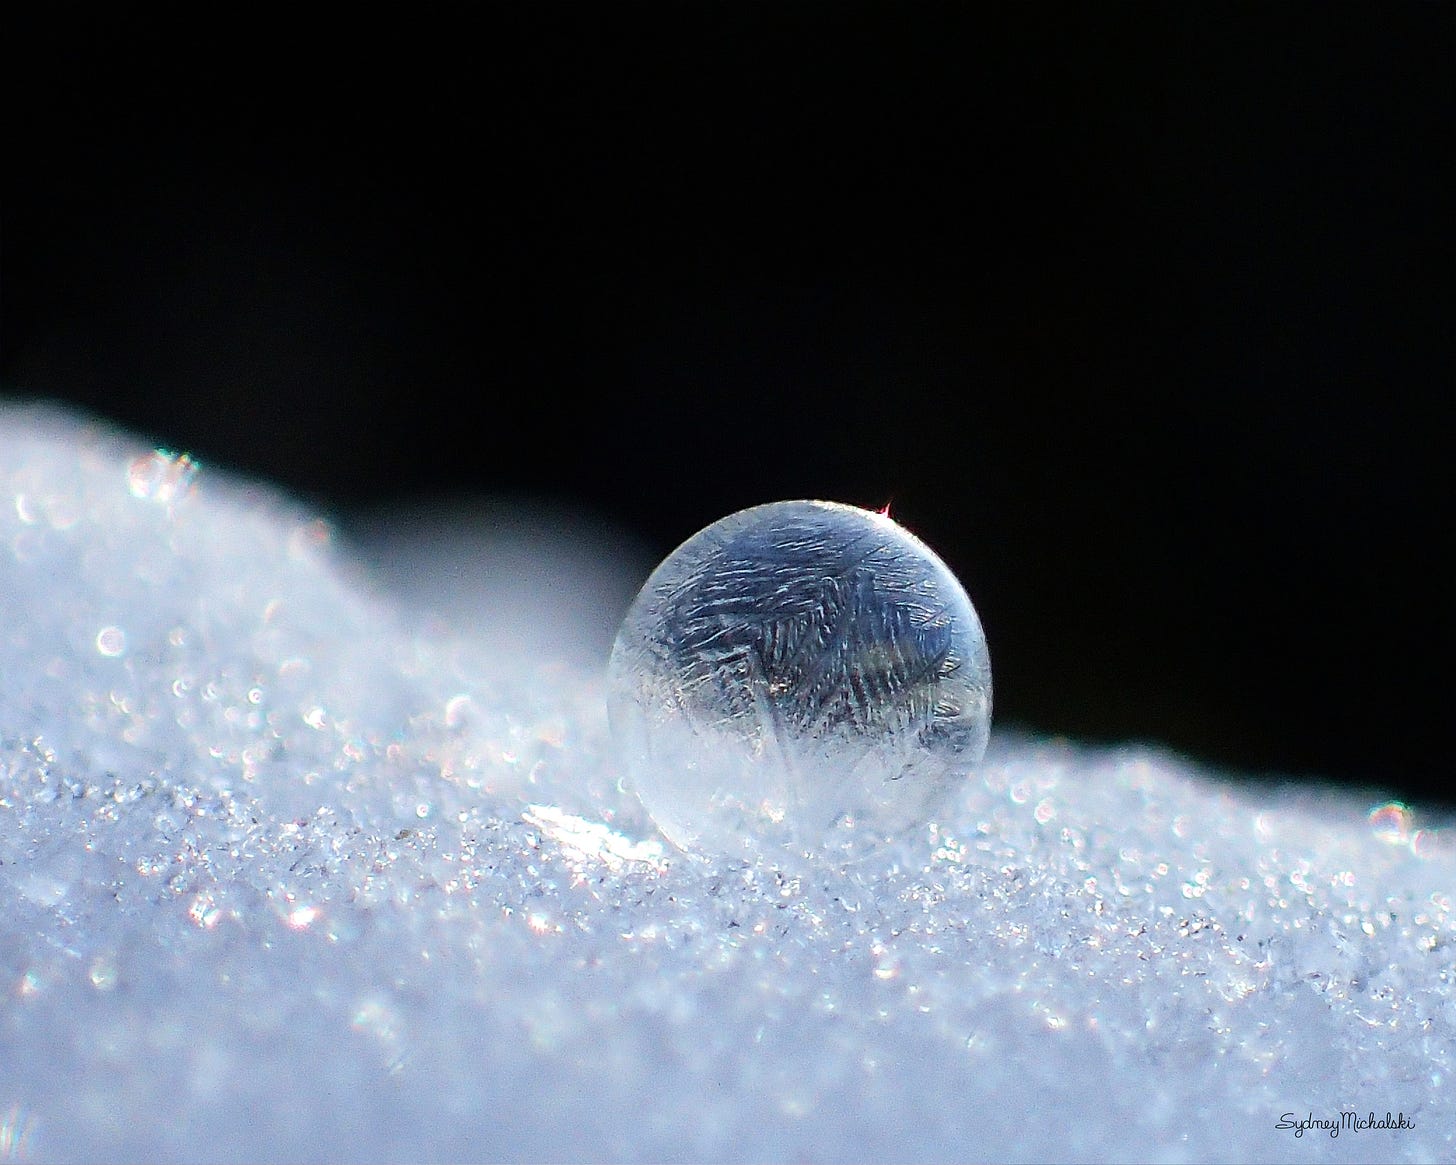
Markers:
point(300, 861)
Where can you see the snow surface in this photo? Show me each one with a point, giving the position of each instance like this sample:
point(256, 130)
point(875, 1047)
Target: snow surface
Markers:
point(293, 868)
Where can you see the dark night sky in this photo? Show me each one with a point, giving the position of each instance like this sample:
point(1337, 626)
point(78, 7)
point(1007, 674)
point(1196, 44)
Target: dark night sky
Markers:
point(1141, 315)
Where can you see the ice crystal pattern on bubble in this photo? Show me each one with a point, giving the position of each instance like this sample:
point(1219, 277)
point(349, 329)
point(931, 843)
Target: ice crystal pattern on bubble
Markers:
point(771, 631)
point(794, 663)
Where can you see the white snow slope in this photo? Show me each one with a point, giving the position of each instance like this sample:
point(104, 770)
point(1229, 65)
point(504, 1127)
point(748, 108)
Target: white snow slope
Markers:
point(291, 871)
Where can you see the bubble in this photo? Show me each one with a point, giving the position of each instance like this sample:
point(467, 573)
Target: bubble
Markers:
point(803, 675)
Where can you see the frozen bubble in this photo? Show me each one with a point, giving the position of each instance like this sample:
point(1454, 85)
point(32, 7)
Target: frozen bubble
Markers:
point(801, 674)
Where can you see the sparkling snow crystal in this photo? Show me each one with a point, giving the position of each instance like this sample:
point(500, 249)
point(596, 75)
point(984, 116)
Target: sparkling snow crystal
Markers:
point(293, 868)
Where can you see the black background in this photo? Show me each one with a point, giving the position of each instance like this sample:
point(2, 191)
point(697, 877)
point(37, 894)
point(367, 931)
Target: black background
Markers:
point(1142, 316)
